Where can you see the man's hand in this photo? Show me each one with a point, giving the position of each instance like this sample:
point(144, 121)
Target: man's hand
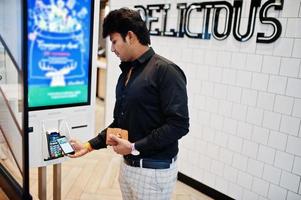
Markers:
point(79, 149)
point(122, 146)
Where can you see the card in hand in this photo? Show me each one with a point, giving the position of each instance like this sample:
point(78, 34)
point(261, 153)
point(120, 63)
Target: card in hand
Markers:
point(121, 133)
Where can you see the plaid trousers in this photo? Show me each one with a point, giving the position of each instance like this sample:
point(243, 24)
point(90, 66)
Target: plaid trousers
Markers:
point(147, 184)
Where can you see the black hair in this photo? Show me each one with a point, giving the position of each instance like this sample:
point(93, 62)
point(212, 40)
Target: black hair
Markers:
point(124, 20)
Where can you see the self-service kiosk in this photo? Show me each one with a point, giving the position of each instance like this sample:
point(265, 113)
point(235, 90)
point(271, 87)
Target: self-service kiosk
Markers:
point(61, 48)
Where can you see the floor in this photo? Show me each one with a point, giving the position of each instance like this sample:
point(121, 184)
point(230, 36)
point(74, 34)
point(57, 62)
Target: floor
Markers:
point(95, 176)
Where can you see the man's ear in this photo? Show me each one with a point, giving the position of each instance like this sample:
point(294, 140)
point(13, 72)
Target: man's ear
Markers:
point(131, 36)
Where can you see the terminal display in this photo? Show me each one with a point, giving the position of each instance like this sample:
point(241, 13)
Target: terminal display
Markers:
point(59, 39)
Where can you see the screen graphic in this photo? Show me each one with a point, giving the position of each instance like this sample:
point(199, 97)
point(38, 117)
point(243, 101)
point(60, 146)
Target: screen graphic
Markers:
point(58, 44)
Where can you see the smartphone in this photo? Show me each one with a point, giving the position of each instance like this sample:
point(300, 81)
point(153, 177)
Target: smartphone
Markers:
point(65, 145)
point(54, 148)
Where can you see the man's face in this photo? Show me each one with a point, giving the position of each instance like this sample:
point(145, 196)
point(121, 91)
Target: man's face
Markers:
point(120, 47)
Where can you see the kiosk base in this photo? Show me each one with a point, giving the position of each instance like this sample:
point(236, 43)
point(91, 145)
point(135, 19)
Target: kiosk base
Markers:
point(57, 177)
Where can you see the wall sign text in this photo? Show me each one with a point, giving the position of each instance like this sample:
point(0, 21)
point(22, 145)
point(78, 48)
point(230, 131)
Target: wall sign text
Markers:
point(211, 11)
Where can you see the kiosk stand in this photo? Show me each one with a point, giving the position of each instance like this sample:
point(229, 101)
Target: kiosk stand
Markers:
point(60, 50)
point(42, 171)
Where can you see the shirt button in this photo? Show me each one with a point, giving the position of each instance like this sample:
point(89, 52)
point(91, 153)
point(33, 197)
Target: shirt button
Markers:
point(122, 113)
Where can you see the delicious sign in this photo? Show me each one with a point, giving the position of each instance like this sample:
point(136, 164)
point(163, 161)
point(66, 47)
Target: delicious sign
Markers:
point(211, 11)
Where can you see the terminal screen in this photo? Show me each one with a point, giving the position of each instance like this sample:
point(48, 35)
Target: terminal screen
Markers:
point(59, 39)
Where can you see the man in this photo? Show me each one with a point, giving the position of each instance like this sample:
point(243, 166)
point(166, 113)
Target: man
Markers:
point(151, 104)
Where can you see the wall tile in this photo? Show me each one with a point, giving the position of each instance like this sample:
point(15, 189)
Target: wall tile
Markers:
point(260, 187)
point(297, 48)
point(245, 180)
point(283, 47)
point(250, 149)
point(290, 125)
point(235, 191)
point(220, 91)
point(230, 173)
point(230, 126)
point(271, 64)
point(271, 174)
point(249, 195)
point(238, 60)
point(255, 116)
point(260, 135)
point(239, 112)
point(292, 27)
point(260, 81)
point(234, 94)
point(283, 104)
point(277, 84)
point(266, 154)
point(276, 192)
point(297, 108)
point(224, 59)
point(254, 63)
point(290, 181)
point(217, 167)
point(213, 151)
point(266, 100)
point(284, 160)
point(255, 167)
point(209, 178)
point(293, 87)
point(221, 184)
point(277, 140)
point(225, 108)
point(293, 196)
point(244, 130)
point(229, 76)
point(235, 143)
point(216, 121)
point(249, 97)
point(240, 162)
point(297, 165)
point(221, 139)
point(243, 79)
point(293, 145)
point(271, 120)
point(290, 67)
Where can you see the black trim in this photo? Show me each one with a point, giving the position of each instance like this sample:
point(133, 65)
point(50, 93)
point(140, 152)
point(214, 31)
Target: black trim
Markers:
point(202, 187)
point(82, 126)
point(9, 185)
point(26, 178)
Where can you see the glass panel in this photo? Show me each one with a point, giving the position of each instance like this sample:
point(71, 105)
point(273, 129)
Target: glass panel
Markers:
point(10, 27)
point(11, 101)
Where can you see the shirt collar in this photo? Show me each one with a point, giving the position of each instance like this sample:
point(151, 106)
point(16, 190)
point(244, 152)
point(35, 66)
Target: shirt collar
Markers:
point(136, 63)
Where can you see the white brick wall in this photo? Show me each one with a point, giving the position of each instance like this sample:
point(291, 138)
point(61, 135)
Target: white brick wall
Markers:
point(245, 106)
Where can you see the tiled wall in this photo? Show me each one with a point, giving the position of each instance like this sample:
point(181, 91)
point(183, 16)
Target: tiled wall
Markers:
point(245, 106)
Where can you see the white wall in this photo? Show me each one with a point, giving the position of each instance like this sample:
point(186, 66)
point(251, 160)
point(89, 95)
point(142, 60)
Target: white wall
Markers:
point(245, 106)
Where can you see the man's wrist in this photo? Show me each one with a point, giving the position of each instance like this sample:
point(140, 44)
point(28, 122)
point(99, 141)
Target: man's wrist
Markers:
point(134, 151)
point(88, 146)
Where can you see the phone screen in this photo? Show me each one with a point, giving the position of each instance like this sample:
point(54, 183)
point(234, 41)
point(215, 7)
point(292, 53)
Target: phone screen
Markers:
point(65, 145)
point(55, 150)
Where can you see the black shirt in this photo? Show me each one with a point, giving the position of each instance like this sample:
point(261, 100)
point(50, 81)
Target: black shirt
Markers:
point(152, 106)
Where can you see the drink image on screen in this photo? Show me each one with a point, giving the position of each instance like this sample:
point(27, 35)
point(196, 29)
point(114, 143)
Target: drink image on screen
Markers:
point(54, 148)
point(65, 145)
